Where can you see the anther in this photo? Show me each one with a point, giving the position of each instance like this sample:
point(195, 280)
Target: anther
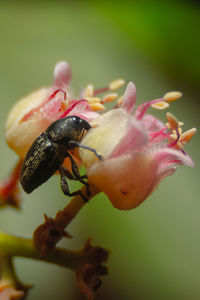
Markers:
point(172, 96)
point(187, 135)
point(120, 100)
point(109, 97)
point(116, 84)
point(160, 105)
point(97, 106)
point(173, 122)
point(93, 99)
point(89, 91)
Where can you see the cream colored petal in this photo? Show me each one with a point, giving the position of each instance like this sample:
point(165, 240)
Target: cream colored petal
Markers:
point(24, 106)
point(126, 180)
point(109, 129)
point(20, 135)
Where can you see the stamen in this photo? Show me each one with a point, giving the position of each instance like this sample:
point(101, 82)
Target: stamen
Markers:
point(89, 91)
point(109, 97)
point(179, 130)
point(187, 135)
point(172, 96)
point(113, 85)
point(173, 122)
point(159, 133)
point(93, 99)
point(57, 91)
point(120, 100)
point(116, 84)
point(63, 105)
point(179, 125)
point(96, 106)
point(102, 90)
point(174, 143)
point(142, 108)
point(77, 102)
point(160, 105)
point(177, 144)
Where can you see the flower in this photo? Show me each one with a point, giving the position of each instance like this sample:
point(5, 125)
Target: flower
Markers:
point(31, 115)
point(139, 150)
point(34, 113)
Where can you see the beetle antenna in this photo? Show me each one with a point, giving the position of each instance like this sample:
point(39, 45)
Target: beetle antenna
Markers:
point(75, 144)
point(99, 156)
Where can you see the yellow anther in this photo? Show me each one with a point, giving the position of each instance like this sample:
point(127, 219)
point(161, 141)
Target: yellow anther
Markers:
point(160, 105)
point(110, 97)
point(97, 106)
point(116, 84)
point(120, 100)
point(187, 135)
point(93, 99)
point(89, 91)
point(173, 122)
point(179, 124)
point(172, 96)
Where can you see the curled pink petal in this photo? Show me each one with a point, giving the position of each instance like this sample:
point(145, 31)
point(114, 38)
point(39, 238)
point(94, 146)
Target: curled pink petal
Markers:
point(129, 99)
point(62, 74)
point(166, 157)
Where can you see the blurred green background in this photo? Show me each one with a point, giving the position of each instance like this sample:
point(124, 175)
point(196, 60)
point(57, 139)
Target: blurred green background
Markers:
point(155, 249)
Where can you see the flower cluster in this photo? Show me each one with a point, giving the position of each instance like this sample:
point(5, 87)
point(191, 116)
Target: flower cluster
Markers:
point(138, 149)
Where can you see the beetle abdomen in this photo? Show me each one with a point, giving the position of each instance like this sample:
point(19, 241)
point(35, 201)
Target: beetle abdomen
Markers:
point(42, 161)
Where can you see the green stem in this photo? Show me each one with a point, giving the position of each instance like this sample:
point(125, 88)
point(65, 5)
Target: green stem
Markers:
point(17, 246)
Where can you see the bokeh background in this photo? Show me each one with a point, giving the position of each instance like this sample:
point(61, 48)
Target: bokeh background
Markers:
point(155, 249)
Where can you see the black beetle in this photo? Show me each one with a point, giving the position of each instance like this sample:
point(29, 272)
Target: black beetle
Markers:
point(47, 154)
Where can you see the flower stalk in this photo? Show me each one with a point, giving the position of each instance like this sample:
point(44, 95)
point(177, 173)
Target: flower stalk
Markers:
point(48, 234)
point(23, 247)
point(88, 264)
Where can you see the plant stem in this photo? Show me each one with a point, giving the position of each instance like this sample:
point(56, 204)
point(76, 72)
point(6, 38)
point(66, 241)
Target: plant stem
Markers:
point(64, 217)
point(17, 246)
point(48, 234)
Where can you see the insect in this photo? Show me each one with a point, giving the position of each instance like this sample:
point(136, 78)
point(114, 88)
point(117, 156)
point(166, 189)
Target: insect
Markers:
point(48, 152)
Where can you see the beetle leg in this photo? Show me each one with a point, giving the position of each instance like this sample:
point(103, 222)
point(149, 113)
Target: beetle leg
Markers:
point(69, 175)
point(75, 169)
point(76, 144)
point(76, 174)
point(65, 187)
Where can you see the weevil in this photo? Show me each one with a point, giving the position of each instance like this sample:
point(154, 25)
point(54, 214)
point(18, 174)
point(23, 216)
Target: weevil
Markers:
point(48, 152)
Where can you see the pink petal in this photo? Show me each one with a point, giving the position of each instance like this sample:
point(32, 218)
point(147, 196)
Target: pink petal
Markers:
point(62, 74)
point(129, 98)
point(89, 115)
point(134, 139)
point(52, 109)
point(161, 175)
point(151, 123)
point(168, 157)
